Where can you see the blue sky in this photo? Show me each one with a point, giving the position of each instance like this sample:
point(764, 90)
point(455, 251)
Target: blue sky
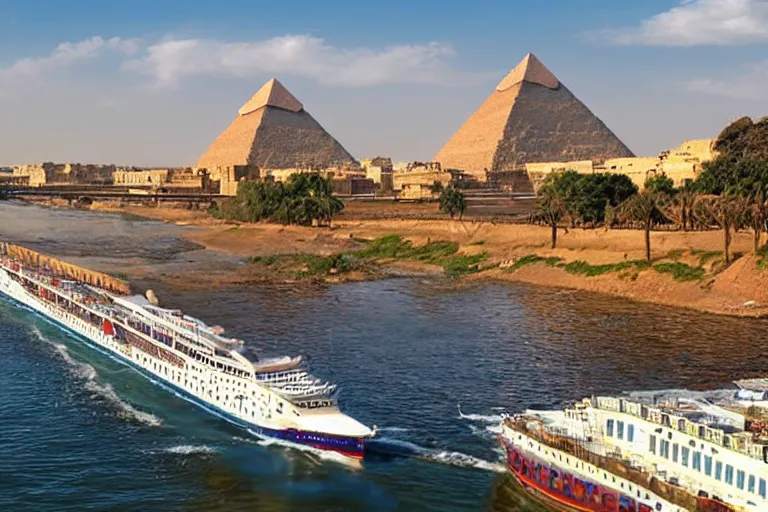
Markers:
point(152, 83)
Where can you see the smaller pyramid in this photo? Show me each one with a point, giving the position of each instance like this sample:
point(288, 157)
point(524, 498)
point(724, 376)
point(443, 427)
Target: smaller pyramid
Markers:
point(530, 117)
point(273, 131)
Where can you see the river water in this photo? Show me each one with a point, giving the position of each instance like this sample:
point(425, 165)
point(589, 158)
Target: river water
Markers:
point(79, 431)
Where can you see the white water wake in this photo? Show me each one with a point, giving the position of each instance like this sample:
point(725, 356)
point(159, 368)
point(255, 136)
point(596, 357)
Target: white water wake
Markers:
point(189, 449)
point(328, 455)
point(104, 391)
point(450, 458)
point(483, 418)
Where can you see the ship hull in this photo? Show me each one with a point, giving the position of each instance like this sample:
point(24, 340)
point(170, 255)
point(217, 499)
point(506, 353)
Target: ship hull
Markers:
point(556, 486)
point(349, 447)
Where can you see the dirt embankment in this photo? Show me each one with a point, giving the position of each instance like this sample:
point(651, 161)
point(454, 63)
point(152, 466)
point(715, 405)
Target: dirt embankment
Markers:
point(739, 289)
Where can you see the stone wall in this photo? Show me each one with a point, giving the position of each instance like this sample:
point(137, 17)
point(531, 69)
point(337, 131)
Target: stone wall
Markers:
point(152, 177)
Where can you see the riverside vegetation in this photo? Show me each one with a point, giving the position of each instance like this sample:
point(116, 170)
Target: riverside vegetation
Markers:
point(697, 246)
point(387, 249)
point(729, 194)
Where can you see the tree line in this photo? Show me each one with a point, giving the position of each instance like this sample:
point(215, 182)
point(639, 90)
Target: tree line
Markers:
point(304, 199)
point(729, 194)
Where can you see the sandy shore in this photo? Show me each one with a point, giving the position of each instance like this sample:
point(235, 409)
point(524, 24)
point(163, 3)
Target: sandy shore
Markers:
point(739, 290)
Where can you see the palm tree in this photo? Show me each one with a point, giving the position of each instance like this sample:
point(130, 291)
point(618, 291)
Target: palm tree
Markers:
point(552, 209)
point(729, 212)
point(757, 217)
point(643, 207)
point(452, 202)
point(679, 208)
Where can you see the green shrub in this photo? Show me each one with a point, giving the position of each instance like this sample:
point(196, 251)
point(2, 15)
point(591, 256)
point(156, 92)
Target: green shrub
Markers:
point(680, 271)
point(675, 254)
point(462, 264)
point(584, 268)
point(525, 260)
point(707, 256)
point(390, 246)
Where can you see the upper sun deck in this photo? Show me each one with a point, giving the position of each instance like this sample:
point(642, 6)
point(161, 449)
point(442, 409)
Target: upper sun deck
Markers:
point(718, 417)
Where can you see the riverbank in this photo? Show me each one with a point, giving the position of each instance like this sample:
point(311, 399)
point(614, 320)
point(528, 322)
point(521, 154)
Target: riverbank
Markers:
point(687, 268)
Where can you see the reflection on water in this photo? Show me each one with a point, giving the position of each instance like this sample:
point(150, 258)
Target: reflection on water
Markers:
point(404, 352)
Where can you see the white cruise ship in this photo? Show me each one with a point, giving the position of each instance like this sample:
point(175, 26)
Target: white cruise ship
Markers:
point(652, 451)
point(277, 398)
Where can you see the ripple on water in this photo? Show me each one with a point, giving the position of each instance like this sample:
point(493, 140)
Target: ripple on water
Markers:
point(404, 354)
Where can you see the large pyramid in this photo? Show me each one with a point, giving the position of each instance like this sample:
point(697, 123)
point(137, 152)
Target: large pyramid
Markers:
point(530, 117)
point(273, 131)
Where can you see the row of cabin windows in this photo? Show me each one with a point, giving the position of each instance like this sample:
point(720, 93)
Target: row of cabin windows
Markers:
point(619, 430)
point(683, 455)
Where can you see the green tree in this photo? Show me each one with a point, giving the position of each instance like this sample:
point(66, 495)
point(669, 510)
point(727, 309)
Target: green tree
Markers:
point(661, 183)
point(586, 196)
point(436, 187)
point(551, 210)
point(728, 212)
point(730, 175)
point(452, 202)
point(644, 208)
point(304, 199)
point(757, 217)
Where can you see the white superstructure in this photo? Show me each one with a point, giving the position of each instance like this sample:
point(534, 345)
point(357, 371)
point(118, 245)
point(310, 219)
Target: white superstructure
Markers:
point(709, 444)
point(275, 397)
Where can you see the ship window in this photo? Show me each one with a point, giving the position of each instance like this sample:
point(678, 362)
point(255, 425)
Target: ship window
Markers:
point(686, 453)
point(609, 428)
point(630, 432)
point(697, 460)
point(740, 479)
point(718, 470)
point(675, 452)
point(652, 448)
point(751, 484)
point(729, 474)
point(708, 465)
point(620, 429)
point(664, 448)
point(761, 488)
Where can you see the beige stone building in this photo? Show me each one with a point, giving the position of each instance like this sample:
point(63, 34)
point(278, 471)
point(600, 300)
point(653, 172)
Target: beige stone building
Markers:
point(380, 170)
point(141, 177)
point(49, 173)
point(416, 180)
point(681, 164)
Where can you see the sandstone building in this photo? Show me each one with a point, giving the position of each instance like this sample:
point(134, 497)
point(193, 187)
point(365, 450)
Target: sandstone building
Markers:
point(681, 164)
point(49, 173)
point(530, 117)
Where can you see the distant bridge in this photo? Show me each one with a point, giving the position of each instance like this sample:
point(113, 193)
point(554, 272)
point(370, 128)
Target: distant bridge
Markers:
point(84, 193)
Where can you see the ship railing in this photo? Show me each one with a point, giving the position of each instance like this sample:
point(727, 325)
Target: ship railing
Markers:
point(617, 466)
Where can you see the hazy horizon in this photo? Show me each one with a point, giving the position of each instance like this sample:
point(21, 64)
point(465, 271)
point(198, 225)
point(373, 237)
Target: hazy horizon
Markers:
point(153, 85)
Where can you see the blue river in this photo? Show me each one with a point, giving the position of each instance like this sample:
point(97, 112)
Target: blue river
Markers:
point(430, 363)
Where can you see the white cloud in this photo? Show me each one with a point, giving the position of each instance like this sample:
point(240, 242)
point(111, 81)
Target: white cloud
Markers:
point(748, 86)
point(700, 22)
point(65, 55)
point(172, 60)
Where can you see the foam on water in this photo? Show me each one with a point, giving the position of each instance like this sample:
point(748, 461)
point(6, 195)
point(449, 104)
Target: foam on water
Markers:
point(392, 429)
point(484, 418)
point(328, 455)
point(189, 449)
point(447, 457)
point(465, 461)
point(103, 391)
